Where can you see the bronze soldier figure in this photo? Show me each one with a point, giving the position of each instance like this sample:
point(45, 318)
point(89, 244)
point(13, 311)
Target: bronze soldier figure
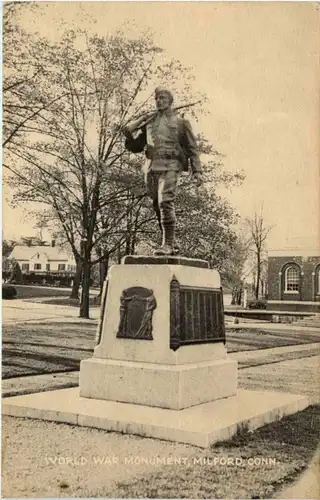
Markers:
point(169, 145)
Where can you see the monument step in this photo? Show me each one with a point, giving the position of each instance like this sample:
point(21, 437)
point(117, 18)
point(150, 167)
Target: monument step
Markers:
point(201, 425)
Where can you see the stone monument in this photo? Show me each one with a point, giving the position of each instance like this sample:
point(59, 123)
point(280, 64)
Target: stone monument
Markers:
point(160, 367)
point(161, 340)
point(162, 334)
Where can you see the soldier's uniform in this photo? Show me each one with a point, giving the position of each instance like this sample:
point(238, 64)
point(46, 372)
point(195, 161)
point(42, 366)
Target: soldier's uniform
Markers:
point(170, 145)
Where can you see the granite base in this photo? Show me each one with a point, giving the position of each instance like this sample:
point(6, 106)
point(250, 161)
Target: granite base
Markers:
point(165, 386)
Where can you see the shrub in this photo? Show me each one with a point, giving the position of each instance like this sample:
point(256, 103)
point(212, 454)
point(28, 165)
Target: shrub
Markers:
point(257, 304)
point(8, 292)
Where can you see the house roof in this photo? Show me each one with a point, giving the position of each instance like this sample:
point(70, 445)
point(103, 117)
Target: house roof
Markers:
point(23, 252)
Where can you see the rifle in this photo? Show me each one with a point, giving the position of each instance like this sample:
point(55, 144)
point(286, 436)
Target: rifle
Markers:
point(144, 118)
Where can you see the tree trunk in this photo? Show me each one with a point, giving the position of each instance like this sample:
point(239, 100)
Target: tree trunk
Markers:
point(76, 282)
point(127, 245)
point(84, 305)
point(104, 266)
point(258, 280)
point(119, 254)
point(133, 244)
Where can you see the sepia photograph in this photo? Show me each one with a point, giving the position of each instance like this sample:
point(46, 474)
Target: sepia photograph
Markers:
point(160, 249)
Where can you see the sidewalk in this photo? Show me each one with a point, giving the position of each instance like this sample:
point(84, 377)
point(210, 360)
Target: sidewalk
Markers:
point(21, 311)
point(39, 383)
point(273, 353)
point(271, 326)
point(308, 485)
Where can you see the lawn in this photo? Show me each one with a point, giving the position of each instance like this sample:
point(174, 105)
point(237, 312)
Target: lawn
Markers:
point(251, 465)
point(246, 339)
point(52, 295)
point(28, 292)
point(31, 349)
point(66, 301)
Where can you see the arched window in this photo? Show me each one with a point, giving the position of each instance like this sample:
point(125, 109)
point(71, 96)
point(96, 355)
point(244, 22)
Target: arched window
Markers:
point(292, 279)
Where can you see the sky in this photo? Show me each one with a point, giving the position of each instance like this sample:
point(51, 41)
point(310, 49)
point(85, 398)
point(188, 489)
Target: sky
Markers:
point(258, 63)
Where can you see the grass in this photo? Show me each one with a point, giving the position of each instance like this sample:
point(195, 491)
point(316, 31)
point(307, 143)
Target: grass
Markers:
point(93, 301)
point(29, 291)
point(251, 465)
point(246, 339)
point(33, 349)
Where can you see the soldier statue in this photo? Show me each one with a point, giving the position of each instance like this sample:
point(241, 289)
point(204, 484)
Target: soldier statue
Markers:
point(169, 145)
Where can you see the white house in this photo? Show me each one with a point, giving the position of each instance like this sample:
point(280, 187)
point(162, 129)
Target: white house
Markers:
point(43, 260)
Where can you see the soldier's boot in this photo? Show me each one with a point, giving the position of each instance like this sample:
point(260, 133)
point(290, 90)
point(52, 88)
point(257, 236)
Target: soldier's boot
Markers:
point(176, 248)
point(158, 213)
point(167, 247)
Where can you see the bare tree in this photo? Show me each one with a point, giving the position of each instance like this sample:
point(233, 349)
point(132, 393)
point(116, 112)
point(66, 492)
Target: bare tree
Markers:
point(258, 235)
point(235, 271)
point(23, 71)
point(72, 157)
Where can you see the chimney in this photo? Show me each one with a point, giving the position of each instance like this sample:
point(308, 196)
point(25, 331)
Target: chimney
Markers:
point(53, 243)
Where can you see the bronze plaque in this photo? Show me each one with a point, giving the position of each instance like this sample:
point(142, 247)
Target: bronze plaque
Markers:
point(136, 309)
point(196, 315)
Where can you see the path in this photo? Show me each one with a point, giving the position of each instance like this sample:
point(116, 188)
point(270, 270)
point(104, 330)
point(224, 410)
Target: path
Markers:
point(21, 311)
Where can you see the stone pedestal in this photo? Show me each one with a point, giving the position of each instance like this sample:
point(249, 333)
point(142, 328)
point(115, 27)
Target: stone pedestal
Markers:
point(160, 368)
point(161, 337)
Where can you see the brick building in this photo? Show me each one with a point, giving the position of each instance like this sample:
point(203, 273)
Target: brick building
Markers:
point(294, 280)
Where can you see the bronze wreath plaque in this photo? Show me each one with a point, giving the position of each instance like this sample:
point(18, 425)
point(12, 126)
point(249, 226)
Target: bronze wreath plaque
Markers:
point(136, 309)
